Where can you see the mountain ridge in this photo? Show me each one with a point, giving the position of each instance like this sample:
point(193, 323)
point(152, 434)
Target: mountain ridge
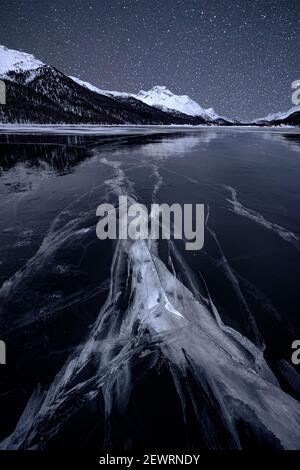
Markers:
point(159, 97)
point(40, 93)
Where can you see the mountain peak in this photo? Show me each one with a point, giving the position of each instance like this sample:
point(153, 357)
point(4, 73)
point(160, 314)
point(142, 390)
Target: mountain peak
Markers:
point(16, 61)
point(161, 97)
point(159, 89)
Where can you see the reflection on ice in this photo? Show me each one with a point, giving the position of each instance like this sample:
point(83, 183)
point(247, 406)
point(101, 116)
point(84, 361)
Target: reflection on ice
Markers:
point(170, 147)
point(290, 140)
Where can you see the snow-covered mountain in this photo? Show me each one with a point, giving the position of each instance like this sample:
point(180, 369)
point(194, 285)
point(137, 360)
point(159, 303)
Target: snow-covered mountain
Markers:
point(290, 117)
point(161, 97)
point(89, 86)
point(16, 61)
point(40, 93)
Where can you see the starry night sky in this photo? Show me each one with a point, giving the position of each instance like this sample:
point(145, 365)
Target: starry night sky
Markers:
point(239, 56)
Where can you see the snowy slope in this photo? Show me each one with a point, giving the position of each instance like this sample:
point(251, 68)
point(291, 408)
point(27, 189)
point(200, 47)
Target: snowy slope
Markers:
point(280, 115)
point(16, 61)
point(93, 88)
point(160, 96)
point(41, 94)
point(54, 97)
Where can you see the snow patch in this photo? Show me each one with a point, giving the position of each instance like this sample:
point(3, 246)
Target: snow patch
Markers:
point(16, 61)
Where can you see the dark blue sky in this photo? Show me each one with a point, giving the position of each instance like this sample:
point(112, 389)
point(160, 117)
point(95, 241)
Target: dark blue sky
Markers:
point(239, 56)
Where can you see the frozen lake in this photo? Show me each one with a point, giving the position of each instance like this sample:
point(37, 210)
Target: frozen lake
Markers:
point(101, 314)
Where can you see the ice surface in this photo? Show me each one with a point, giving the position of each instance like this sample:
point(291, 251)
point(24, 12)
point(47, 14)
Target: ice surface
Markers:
point(258, 218)
point(149, 307)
